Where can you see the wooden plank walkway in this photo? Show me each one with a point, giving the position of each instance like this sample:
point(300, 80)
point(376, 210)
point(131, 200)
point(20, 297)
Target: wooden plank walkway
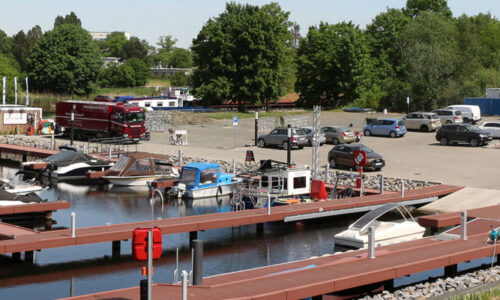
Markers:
point(25, 150)
point(33, 207)
point(118, 232)
point(333, 273)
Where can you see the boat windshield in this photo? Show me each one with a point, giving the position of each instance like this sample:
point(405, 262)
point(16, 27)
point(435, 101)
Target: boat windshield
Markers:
point(209, 175)
point(134, 117)
point(188, 177)
point(120, 164)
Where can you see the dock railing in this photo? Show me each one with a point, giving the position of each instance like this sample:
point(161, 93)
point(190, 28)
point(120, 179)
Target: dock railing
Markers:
point(110, 147)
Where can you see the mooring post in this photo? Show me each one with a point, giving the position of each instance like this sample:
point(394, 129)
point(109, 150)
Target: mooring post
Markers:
point(193, 235)
point(109, 152)
point(115, 249)
point(371, 242)
point(327, 174)
point(73, 226)
point(362, 187)
point(180, 157)
point(256, 134)
point(29, 256)
point(402, 188)
point(268, 203)
point(463, 224)
point(176, 271)
point(198, 262)
point(451, 271)
point(234, 166)
point(381, 183)
point(184, 285)
point(289, 147)
point(52, 142)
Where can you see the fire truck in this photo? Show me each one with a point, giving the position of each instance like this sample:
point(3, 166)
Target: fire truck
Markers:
point(92, 119)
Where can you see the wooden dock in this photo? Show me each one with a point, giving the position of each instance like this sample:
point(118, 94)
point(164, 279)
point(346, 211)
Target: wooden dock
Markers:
point(334, 273)
point(42, 207)
point(193, 224)
point(25, 151)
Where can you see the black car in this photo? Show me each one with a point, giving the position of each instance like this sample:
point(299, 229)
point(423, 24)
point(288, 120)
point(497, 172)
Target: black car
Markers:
point(342, 155)
point(463, 133)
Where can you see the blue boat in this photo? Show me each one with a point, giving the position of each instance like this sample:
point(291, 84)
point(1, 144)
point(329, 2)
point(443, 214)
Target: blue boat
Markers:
point(201, 180)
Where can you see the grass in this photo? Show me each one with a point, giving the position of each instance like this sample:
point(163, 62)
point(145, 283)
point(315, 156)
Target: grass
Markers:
point(153, 82)
point(483, 295)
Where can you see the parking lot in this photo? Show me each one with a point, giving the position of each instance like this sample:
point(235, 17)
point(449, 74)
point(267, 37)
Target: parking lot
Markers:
point(415, 156)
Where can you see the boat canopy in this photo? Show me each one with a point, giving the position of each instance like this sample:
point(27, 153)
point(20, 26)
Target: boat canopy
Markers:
point(362, 223)
point(68, 157)
point(202, 166)
point(140, 164)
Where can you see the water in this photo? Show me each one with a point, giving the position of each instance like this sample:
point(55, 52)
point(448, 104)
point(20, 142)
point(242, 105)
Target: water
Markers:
point(77, 270)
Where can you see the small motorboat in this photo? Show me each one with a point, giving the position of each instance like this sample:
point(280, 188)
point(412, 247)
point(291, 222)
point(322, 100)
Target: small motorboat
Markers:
point(356, 236)
point(67, 165)
point(201, 180)
point(26, 187)
point(9, 199)
point(139, 168)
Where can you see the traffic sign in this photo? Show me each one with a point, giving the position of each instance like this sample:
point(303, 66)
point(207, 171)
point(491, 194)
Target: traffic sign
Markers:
point(235, 121)
point(359, 158)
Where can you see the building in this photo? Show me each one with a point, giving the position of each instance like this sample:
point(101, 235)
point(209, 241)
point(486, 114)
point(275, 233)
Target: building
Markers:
point(108, 60)
point(19, 118)
point(100, 36)
point(167, 72)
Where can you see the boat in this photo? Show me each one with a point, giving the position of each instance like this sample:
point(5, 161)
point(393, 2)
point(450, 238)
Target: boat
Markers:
point(10, 199)
point(201, 180)
point(27, 187)
point(66, 165)
point(356, 235)
point(139, 168)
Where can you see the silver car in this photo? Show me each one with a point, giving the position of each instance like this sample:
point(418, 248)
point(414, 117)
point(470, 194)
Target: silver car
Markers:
point(309, 134)
point(338, 134)
point(279, 137)
point(422, 121)
point(449, 116)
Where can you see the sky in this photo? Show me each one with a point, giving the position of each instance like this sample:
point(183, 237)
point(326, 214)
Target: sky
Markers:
point(183, 19)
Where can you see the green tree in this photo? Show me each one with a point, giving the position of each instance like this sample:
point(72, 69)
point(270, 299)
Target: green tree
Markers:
point(22, 44)
point(415, 7)
point(132, 73)
point(5, 43)
point(113, 45)
point(180, 58)
point(141, 71)
point(65, 61)
point(178, 79)
point(166, 43)
point(240, 55)
point(8, 68)
point(332, 63)
point(135, 48)
point(68, 19)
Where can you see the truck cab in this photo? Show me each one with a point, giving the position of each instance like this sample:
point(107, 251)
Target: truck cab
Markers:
point(128, 121)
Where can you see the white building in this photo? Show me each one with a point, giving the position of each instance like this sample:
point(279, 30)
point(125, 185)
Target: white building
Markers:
point(100, 36)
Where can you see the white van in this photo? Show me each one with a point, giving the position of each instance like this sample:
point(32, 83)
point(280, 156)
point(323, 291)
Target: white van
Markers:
point(470, 113)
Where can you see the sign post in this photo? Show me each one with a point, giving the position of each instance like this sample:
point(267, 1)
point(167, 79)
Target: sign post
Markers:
point(359, 158)
point(235, 125)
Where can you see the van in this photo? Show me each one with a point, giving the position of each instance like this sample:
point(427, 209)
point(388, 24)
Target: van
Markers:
point(470, 113)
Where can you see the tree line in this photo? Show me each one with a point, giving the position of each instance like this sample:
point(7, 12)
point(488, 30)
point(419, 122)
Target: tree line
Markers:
point(254, 54)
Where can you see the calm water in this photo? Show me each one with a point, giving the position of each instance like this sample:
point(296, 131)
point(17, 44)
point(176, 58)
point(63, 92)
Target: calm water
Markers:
point(63, 272)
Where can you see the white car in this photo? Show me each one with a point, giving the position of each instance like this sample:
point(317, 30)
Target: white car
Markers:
point(492, 127)
point(470, 113)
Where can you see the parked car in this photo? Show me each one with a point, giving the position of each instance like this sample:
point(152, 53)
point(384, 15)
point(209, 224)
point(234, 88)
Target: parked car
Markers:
point(342, 155)
point(279, 137)
point(388, 127)
point(309, 134)
point(338, 134)
point(449, 116)
point(424, 121)
point(492, 127)
point(470, 113)
point(463, 133)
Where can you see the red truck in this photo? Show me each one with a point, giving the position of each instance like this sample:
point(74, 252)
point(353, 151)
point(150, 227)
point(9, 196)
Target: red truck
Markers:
point(101, 119)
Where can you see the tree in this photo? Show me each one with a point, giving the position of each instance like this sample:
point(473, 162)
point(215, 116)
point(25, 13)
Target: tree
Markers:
point(296, 37)
point(141, 71)
point(166, 43)
point(22, 44)
point(10, 69)
point(5, 43)
point(331, 64)
point(180, 58)
point(178, 79)
point(415, 7)
point(113, 46)
point(64, 61)
point(68, 19)
point(135, 48)
point(240, 54)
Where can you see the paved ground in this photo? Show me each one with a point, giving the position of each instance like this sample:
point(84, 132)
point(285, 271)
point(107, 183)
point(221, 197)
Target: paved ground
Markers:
point(415, 156)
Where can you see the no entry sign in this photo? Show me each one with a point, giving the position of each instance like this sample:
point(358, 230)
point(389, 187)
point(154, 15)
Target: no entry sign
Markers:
point(359, 158)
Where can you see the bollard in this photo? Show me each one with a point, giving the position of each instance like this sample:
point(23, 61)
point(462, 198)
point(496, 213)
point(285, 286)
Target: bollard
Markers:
point(192, 265)
point(371, 242)
point(180, 157)
point(184, 285)
point(402, 188)
point(176, 271)
point(289, 146)
point(327, 174)
point(362, 187)
point(73, 222)
point(198, 262)
point(52, 142)
point(381, 184)
point(463, 222)
point(143, 289)
point(150, 264)
point(268, 203)
point(109, 153)
point(256, 133)
point(234, 166)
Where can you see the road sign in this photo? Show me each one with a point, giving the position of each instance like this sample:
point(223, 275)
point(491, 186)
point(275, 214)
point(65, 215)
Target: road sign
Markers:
point(359, 158)
point(235, 121)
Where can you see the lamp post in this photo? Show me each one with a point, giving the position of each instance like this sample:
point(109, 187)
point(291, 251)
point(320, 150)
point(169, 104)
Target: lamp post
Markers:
point(72, 121)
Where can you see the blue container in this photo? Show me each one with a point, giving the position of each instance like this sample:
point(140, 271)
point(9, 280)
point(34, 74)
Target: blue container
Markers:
point(488, 106)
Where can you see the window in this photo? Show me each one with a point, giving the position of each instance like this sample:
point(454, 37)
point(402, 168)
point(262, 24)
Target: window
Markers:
point(171, 103)
point(379, 122)
point(461, 129)
point(401, 123)
point(458, 113)
point(188, 177)
point(159, 104)
point(387, 122)
point(120, 164)
point(208, 176)
point(410, 116)
point(147, 104)
point(141, 165)
point(275, 131)
point(299, 182)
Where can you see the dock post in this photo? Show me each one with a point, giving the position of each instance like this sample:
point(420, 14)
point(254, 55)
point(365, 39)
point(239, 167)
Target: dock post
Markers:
point(381, 183)
point(362, 187)
point(52, 142)
point(260, 228)
point(234, 166)
point(193, 235)
point(268, 203)
point(198, 262)
point(371, 242)
point(256, 133)
point(463, 224)
point(73, 222)
point(16, 256)
point(115, 249)
point(110, 151)
point(327, 174)
point(289, 147)
point(150, 264)
point(29, 256)
point(176, 271)
point(180, 157)
point(451, 271)
point(184, 285)
point(402, 188)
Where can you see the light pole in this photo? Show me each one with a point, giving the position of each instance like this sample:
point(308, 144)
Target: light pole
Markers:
point(72, 121)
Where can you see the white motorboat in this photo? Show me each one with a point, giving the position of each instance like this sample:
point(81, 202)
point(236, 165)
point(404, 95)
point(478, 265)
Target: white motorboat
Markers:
point(386, 233)
point(20, 189)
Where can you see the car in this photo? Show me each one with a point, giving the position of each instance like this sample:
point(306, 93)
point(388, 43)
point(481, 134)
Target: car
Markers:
point(424, 121)
point(462, 133)
point(309, 134)
point(449, 116)
point(388, 127)
point(470, 113)
point(492, 127)
point(338, 134)
point(342, 155)
point(279, 136)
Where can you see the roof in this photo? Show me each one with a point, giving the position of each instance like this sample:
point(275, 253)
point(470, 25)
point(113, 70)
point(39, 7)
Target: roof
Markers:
point(202, 165)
